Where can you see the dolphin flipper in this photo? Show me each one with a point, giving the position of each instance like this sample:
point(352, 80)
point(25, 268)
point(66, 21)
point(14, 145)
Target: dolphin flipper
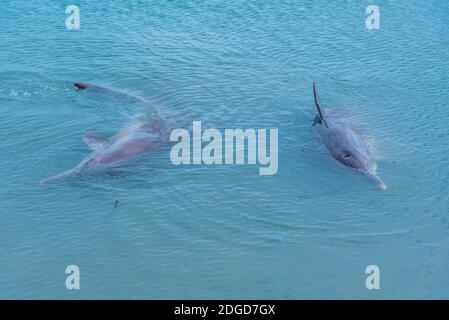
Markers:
point(94, 141)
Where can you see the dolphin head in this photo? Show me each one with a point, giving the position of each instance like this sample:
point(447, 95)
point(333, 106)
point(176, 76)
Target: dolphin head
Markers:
point(347, 147)
point(352, 151)
point(355, 158)
point(362, 161)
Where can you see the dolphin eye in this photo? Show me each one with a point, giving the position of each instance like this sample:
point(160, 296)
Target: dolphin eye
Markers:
point(346, 155)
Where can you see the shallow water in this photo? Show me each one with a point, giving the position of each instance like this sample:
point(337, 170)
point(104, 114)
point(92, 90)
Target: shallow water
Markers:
point(224, 231)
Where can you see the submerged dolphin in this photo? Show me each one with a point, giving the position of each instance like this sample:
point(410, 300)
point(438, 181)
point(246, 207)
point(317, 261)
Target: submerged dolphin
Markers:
point(127, 146)
point(344, 144)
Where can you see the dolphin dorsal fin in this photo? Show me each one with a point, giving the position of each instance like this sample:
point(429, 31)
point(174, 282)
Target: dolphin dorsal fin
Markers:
point(318, 106)
point(93, 140)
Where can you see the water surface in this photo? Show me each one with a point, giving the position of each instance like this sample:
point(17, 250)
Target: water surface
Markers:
point(224, 231)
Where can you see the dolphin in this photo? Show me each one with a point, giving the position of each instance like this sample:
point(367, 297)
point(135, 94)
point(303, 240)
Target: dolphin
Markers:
point(345, 144)
point(124, 148)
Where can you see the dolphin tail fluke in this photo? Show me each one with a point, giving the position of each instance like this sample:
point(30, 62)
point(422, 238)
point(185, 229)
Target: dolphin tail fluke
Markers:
point(318, 106)
point(81, 85)
point(109, 92)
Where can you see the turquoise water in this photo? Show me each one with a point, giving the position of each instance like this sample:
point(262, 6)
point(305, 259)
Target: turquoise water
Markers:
point(224, 231)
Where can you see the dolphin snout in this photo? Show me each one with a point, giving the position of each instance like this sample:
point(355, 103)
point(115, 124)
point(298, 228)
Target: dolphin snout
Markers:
point(378, 181)
point(382, 186)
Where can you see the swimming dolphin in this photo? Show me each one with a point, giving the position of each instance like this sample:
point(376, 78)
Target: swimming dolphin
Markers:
point(130, 144)
point(344, 144)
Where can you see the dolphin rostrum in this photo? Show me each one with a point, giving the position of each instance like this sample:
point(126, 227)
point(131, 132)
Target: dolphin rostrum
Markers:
point(130, 144)
point(344, 144)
